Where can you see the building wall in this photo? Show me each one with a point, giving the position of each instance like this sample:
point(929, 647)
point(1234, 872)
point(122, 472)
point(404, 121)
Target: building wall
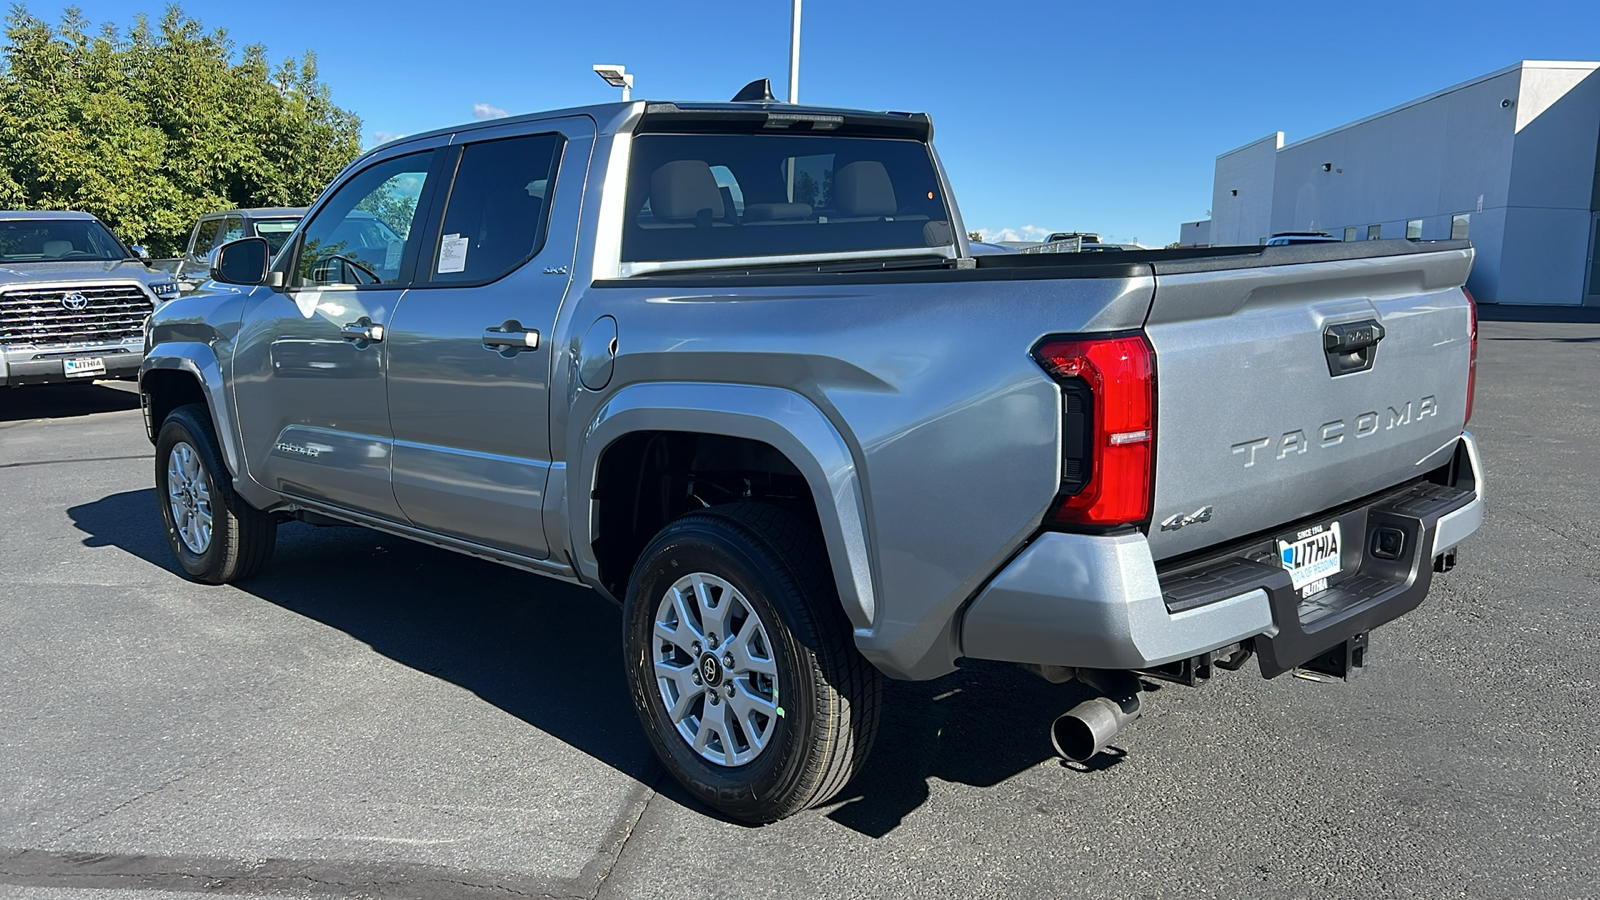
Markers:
point(1429, 160)
point(1548, 214)
point(1515, 151)
point(1241, 193)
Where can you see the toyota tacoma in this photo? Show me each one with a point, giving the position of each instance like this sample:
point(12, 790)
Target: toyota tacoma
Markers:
point(735, 367)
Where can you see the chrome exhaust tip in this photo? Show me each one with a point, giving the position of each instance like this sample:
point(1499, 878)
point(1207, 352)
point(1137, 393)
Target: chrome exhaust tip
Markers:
point(1085, 730)
point(1080, 734)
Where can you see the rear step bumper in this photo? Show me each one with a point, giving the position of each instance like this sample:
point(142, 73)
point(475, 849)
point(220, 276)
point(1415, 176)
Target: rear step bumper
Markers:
point(1101, 602)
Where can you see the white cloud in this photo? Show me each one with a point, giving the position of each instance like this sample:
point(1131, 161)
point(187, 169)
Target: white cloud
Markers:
point(1021, 233)
point(481, 111)
point(384, 137)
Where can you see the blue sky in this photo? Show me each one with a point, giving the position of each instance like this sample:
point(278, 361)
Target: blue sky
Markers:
point(1054, 116)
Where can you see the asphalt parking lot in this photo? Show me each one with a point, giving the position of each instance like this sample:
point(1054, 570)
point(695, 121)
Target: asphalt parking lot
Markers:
point(376, 718)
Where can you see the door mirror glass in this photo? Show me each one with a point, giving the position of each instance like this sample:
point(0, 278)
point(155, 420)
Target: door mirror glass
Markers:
point(140, 251)
point(243, 261)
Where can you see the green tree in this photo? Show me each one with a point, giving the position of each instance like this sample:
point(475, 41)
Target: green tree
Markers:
point(806, 189)
point(151, 129)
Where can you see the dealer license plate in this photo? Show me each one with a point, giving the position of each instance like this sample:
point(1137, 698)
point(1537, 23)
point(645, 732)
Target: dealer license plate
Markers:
point(1312, 557)
point(84, 366)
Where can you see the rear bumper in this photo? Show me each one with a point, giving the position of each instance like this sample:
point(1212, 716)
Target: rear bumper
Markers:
point(20, 365)
point(1102, 602)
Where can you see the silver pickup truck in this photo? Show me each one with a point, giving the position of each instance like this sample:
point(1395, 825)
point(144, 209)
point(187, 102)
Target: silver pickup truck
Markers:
point(73, 300)
point(733, 366)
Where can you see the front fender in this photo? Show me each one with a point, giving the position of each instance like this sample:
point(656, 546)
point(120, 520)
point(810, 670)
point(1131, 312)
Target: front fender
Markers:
point(780, 418)
point(199, 361)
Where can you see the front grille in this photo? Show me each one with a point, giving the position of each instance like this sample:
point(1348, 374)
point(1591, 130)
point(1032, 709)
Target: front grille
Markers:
point(37, 315)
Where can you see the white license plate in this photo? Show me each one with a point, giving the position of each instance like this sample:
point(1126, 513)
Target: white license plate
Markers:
point(84, 366)
point(1313, 556)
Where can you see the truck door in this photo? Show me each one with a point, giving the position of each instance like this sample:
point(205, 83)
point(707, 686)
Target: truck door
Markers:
point(470, 348)
point(309, 365)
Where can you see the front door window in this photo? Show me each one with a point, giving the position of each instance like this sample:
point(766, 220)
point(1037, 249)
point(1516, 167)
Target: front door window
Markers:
point(364, 234)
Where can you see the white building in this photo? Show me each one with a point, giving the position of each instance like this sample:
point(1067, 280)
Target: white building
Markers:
point(1195, 234)
point(1510, 160)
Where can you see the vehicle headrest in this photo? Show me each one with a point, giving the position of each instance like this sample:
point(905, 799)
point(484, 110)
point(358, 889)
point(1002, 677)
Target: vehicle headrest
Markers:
point(682, 188)
point(58, 248)
point(862, 188)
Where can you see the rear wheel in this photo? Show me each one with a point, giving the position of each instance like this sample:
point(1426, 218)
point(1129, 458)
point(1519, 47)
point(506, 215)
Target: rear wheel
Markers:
point(216, 536)
point(742, 666)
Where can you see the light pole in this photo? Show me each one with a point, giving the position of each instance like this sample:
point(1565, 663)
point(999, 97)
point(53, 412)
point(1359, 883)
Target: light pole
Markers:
point(617, 76)
point(794, 53)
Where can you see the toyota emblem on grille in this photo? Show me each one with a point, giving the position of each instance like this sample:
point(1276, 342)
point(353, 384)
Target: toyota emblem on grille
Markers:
point(74, 301)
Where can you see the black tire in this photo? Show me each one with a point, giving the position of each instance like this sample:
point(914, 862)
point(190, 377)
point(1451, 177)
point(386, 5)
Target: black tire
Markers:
point(242, 536)
point(830, 696)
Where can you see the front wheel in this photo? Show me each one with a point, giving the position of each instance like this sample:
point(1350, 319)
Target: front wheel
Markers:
point(216, 536)
point(742, 666)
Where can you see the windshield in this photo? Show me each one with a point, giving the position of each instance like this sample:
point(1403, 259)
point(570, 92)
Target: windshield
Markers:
point(30, 240)
point(732, 196)
point(276, 231)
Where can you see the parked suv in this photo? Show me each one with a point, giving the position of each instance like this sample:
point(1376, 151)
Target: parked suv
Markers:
point(736, 367)
point(73, 299)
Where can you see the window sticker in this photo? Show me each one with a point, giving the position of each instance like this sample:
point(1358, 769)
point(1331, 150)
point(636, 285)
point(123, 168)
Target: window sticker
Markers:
point(452, 254)
point(392, 254)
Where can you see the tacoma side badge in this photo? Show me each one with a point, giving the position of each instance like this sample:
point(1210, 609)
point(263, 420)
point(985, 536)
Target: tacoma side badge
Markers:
point(1203, 514)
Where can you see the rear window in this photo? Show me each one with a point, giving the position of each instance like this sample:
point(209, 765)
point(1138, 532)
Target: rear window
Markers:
point(276, 231)
point(712, 196)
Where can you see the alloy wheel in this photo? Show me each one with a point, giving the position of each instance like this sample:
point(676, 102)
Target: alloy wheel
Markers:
point(714, 669)
point(189, 496)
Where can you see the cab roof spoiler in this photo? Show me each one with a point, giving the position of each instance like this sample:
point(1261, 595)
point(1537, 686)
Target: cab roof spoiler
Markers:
point(765, 116)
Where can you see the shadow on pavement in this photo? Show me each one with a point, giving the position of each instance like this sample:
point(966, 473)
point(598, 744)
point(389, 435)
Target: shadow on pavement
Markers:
point(63, 401)
point(978, 726)
point(550, 654)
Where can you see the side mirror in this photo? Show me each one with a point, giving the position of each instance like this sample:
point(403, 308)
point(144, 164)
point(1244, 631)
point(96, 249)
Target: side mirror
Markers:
point(140, 251)
point(244, 261)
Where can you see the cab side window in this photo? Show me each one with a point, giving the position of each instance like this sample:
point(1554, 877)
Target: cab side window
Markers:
point(205, 237)
point(361, 236)
point(234, 231)
point(495, 218)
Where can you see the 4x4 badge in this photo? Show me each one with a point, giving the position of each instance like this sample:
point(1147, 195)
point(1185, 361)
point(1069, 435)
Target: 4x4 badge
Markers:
point(1203, 514)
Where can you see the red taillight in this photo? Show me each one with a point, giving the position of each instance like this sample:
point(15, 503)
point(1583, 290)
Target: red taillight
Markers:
point(1120, 375)
point(1472, 363)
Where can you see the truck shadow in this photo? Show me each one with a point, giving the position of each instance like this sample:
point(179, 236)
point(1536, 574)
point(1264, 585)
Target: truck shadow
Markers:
point(550, 654)
point(63, 401)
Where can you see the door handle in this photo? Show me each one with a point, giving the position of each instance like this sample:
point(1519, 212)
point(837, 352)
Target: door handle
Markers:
point(510, 337)
point(362, 331)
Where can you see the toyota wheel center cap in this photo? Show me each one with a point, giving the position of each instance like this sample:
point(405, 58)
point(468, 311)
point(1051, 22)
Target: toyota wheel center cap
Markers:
point(711, 669)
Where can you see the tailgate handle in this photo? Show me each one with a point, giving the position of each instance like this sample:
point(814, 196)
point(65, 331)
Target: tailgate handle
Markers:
point(1352, 346)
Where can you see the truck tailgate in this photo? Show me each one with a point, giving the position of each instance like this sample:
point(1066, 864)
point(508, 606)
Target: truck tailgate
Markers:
point(1260, 424)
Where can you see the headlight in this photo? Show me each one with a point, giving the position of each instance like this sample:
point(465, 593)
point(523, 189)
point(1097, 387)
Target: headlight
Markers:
point(165, 290)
